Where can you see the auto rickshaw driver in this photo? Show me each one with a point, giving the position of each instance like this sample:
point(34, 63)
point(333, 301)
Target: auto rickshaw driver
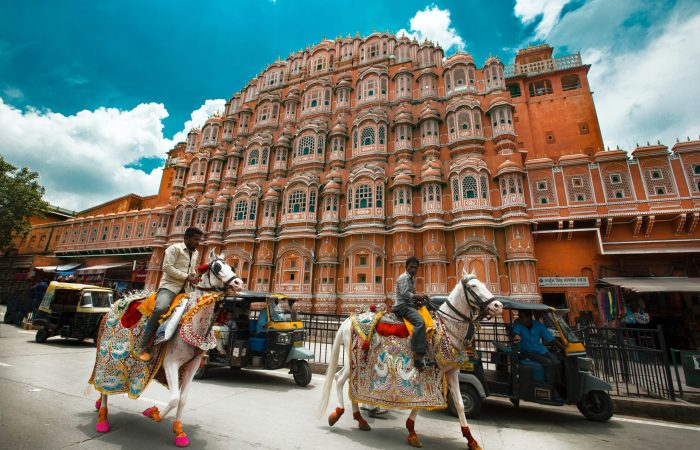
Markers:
point(529, 334)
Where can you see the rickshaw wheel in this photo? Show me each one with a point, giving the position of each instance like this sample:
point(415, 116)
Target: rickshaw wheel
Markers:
point(596, 406)
point(302, 373)
point(41, 335)
point(470, 399)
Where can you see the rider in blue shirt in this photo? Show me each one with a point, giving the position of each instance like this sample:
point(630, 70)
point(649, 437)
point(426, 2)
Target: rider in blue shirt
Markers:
point(529, 334)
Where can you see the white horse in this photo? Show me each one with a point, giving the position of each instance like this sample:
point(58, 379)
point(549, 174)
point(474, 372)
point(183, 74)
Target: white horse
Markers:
point(468, 301)
point(181, 358)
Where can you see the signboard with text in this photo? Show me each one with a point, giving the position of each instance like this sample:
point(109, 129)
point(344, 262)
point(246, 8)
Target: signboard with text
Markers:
point(563, 281)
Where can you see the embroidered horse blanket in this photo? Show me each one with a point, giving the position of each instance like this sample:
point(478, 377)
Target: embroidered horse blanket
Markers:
point(381, 366)
point(118, 368)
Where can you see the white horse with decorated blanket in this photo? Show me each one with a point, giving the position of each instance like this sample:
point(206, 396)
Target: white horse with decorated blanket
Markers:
point(185, 333)
point(380, 368)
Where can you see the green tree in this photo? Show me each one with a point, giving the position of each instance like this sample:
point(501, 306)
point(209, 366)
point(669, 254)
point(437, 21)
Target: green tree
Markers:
point(20, 198)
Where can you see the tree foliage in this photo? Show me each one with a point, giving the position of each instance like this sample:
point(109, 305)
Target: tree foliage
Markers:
point(20, 198)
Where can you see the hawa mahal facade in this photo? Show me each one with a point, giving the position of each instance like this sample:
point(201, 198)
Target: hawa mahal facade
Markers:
point(331, 167)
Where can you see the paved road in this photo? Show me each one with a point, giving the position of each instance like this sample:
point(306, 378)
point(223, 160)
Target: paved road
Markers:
point(43, 405)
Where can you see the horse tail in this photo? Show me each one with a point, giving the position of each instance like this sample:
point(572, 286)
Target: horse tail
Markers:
point(332, 366)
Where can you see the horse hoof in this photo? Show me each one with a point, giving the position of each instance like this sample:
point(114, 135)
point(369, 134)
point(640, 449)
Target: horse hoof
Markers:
point(474, 446)
point(102, 427)
point(335, 415)
point(182, 441)
point(152, 413)
point(413, 441)
point(364, 426)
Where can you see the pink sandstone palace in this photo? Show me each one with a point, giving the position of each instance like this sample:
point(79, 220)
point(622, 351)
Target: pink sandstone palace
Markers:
point(331, 167)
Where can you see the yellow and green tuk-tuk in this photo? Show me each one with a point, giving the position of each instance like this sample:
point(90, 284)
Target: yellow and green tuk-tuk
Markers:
point(72, 310)
point(259, 330)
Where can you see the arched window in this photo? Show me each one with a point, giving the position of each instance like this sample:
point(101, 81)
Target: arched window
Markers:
point(368, 136)
point(265, 153)
point(188, 218)
point(178, 219)
point(306, 146)
point(319, 147)
point(363, 196)
point(254, 157)
point(297, 201)
point(483, 185)
point(354, 139)
point(380, 196)
point(253, 208)
point(241, 210)
point(381, 135)
point(469, 187)
point(459, 77)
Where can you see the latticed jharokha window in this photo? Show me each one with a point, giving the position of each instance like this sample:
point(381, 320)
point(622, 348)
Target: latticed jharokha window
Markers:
point(569, 82)
point(368, 136)
point(363, 196)
point(306, 146)
point(240, 210)
point(297, 202)
point(254, 157)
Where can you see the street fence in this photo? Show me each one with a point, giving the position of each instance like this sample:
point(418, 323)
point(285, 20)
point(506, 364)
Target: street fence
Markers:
point(634, 361)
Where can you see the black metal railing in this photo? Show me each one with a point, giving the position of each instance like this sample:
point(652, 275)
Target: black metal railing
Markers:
point(634, 361)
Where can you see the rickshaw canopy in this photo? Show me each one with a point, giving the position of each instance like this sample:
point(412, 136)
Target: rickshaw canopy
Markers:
point(73, 302)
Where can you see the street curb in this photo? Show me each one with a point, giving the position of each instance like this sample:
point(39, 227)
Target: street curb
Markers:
point(678, 411)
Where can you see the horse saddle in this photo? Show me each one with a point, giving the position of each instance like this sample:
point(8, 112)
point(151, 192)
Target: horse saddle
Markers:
point(138, 308)
point(391, 325)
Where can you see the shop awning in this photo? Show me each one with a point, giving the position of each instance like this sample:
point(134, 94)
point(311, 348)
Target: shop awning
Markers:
point(60, 268)
point(655, 284)
point(102, 268)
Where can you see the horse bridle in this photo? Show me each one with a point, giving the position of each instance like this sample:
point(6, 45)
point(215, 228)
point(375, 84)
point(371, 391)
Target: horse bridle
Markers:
point(216, 274)
point(472, 300)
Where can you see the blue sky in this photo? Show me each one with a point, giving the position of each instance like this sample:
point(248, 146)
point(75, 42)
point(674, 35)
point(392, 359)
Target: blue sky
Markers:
point(99, 89)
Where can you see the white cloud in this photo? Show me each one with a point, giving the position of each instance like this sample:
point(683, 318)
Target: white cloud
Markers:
point(13, 93)
point(649, 94)
point(434, 24)
point(548, 11)
point(81, 158)
point(643, 81)
point(199, 116)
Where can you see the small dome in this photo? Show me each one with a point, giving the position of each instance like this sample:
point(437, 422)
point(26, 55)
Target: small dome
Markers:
point(498, 101)
point(403, 178)
point(283, 141)
point(340, 128)
point(508, 166)
point(332, 186)
point(220, 201)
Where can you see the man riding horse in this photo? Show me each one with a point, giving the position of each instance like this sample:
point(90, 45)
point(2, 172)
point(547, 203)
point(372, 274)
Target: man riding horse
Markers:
point(179, 269)
point(405, 308)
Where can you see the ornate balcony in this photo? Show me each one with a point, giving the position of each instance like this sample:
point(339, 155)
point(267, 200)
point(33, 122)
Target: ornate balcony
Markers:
point(545, 66)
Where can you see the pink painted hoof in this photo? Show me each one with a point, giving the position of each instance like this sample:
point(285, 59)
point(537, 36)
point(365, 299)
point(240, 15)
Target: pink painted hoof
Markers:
point(182, 441)
point(102, 427)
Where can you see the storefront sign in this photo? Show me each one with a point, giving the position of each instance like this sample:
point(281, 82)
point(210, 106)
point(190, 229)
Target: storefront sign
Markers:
point(563, 281)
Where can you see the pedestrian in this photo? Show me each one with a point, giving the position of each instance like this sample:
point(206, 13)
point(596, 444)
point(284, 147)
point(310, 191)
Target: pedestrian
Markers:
point(179, 269)
point(38, 295)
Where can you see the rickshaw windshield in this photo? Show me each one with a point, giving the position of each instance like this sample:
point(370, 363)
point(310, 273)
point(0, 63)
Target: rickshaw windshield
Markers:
point(96, 299)
point(567, 331)
point(281, 311)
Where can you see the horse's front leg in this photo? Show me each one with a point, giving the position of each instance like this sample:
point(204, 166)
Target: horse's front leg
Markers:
point(181, 439)
point(453, 385)
point(171, 366)
point(102, 417)
point(410, 426)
